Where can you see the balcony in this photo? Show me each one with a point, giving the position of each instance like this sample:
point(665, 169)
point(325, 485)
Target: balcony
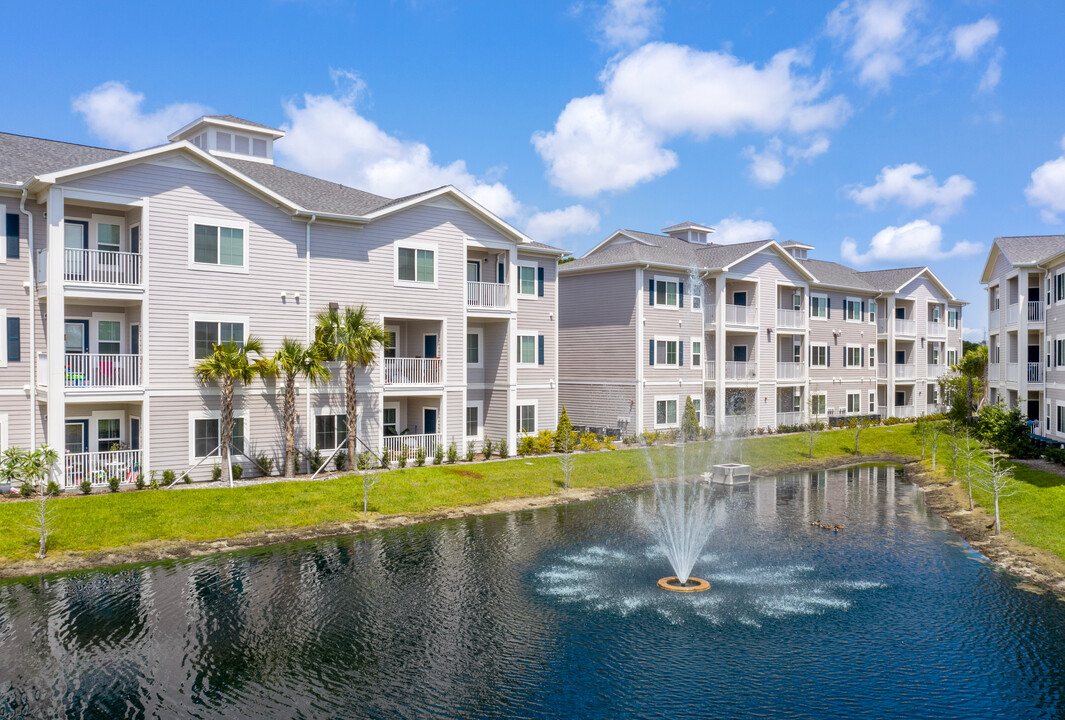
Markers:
point(1011, 372)
point(905, 327)
point(881, 326)
point(94, 267)
point(881, 371)
point(937, 329)
point(1011, 313)
point(735, 370)
point(936, 370)
point(905, 372)
point(741, 315)
point(99, 467)
point(899, 411)
point(486, 295)
point(395, 446)
point(1035, 372)
point(791, 370)
point(992, 319)
point(789, 418)
point(790, 318)
point(711, 316)
point(710, 370)
point(735, 423)
point(994, 371)
point(1035, 312)
point(95, 371)
point(412, 371)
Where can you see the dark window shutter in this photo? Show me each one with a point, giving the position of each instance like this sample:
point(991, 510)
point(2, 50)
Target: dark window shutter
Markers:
point(501, 274)
point(540, 281)
point(651, 293)
point(828, 356)
point(652, 352)
point(863, 313)
point(680, 353)
point(540, 349)
point(12, 235)
point(14, 340)
point(680, 293)
point(863, 357)
point(828, 308)
point(135, 239)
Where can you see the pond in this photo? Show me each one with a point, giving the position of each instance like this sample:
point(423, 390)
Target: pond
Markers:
point(555, 613)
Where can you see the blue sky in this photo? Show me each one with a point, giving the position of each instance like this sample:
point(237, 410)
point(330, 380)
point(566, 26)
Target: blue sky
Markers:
point(882, 132)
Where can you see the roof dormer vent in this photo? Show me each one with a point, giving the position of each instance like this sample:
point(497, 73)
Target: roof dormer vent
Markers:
point(690, 232)
point(231, 136)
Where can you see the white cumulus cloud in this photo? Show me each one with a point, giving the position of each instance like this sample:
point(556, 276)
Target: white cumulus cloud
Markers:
point(918, 240)
point(628, 23)
point(993, 74)
point(913, 186)
point(1046, 190)
point(554, 224)
point(880, 34)
point(661, 91)
point(969, 39)
point(734, 229)
point(767, 167)
point(113, 113)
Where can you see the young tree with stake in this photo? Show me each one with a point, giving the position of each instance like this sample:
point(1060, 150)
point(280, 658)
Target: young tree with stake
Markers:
point(998, 479)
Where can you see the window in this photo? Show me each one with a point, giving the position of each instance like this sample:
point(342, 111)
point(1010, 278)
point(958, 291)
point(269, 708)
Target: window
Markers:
point(819, 307)
point(872, 312)
point(854, 310)
point(1059, 352)
point(258, 147)
point(819, 404)
point(415, 265)
point(109, 337)
point(937, 313)
point(665, 352)
point(853, 357)
point(526, 418)
point(666, 292)
point(1061, 418)
point(527, 349)
point(390, 342)
point(527, 280)
point(952, 358)
point(330, 431)
point(218, 245)
point(698, 403)
point(242, 144)
point(665, 412)
point(872, 356)
point(108, 236)
point(819, 356)
point(473, 349)
point(390, 421)
point(854, 402)
point(223, 141)
point(211, 333)
point(473, 421)
point(206, 437)
point(952, 318)
point(697, 297)
point(697, 353)
point(1059, 287)
point(108, 434)
point(872, 401)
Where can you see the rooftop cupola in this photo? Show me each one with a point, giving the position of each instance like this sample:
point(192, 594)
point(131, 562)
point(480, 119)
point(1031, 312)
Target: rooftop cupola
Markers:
point(796, 249)
point(232, 137)
point(690, 232)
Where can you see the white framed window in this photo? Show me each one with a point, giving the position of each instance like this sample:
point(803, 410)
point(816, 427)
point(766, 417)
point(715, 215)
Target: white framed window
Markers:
point(391, 338)
point(1061, 418)
point(667, 293)
point(206, 331)
point(872, 356)
point(667, 351)
point(872, 401)
point(854, 402)
point(527, 281)
point(697, 297)
point(952, 318)
point(665, 412)
point(527, 349)
point(852, 356)
point(475, 348)
point(1059, 287)
point(952, 358)
point(415, 264)
point(474, 420)
point(390, 419)
point(872, 311)
point(1059, 352)
point(853, 309)
point(107, 232)
point(818, 356)
point(330, 431)
point(697, 352)
point(698, 403)
point(526, 417)
point(819, 403)
point(819, 307)
point(216, 244)
point(205, 435)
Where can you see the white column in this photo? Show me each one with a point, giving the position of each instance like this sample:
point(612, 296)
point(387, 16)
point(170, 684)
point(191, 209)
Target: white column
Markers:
point(641, 343)
point(54, 331)
point(719, 351)
point(889, 401)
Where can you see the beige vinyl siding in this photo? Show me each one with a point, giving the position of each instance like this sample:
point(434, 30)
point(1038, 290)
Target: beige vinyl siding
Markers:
point(598, 404)
point(597, 311)
point(15, 302)
point(538, 314)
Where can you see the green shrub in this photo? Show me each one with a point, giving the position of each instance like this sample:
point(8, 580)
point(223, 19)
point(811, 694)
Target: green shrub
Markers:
point(26, 489)
point(589, 441)
point(153, 483)
point(401, 458)
point(168, 477)
point(86, 487)
point(438, 454)
point(526, 445)
point(316, 460)
point(487, 447)
point(216, 472)
point(362, 461)
point(544, 442)
point(502, 449)
point(471, 451)
point(112, 484)
point(452, 452)
point(419, 456)
point(53, 488)
point(563, 432)
point(649, 437)
point(266, 464)
point(238, 471)
point(1006, 430)
point(139, 482)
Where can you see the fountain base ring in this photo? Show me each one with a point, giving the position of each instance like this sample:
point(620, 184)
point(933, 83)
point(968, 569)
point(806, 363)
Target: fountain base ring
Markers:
point(673, 584)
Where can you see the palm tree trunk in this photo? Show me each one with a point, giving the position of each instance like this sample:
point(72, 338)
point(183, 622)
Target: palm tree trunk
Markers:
point(290, 424)
point(226, 431)
point(969, 395)
point(349, 372)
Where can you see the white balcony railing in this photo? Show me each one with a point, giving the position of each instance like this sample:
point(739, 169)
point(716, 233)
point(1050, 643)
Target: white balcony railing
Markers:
point(486, 295)
point(905, 327)
point(101, 370)
point(789, 418)
point(741, 315)
point(881, 326)
point(992, 318)
point(994, 371)
point(396, 445)
point(937, 328)
point(881, 371)
point(790, 318)
point(898, 411)
point(905, 372)
point(1011, 372)
point(101, 267)
point(735, 370)
point(99, 467)
point(734, 423)
point(1011, 313)
point(711, 315)
point(791, 370)
point(412, 371)
point(709, 370)
point(936, 370)
point(1035, 372)
point(1035, 312)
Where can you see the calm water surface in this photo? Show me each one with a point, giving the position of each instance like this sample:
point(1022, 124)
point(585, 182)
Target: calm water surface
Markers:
point(554, 613)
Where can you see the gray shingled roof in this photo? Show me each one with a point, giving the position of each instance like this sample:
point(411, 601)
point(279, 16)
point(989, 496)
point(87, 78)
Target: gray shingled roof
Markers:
point(22, 157)
point(309, 192)
point(242, 121)
point(1031, 248)
point(836, 275)
point(890, 280)
point(664, 250)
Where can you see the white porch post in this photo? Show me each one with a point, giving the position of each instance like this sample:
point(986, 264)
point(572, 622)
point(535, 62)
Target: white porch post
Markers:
point(54, 330)
point(719, 352)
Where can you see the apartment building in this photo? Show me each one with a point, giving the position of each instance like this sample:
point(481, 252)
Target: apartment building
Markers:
point(647, 320)
point(1025, 281)
point(122, 269)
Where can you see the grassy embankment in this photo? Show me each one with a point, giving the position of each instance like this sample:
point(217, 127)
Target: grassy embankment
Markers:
point(119, 521)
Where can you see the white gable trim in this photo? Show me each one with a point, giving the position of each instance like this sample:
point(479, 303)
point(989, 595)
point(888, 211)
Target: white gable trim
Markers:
point(772, 244)
point(612, 237)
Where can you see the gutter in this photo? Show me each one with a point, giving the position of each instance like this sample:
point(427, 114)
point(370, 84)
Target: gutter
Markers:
point(310, 333)
point(32, 329)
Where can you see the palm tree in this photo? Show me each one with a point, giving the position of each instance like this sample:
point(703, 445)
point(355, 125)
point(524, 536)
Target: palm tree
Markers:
point(229, 364)
point(292, 360)
point(349, 336)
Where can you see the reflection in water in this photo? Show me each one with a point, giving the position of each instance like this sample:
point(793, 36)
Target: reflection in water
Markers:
point(554, 613)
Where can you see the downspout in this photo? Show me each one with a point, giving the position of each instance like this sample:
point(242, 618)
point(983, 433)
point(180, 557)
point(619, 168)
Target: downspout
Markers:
point(310, 331)
point(32, 328)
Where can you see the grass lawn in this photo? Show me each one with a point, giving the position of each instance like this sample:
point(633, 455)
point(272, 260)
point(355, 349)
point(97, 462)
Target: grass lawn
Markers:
point(110, 521)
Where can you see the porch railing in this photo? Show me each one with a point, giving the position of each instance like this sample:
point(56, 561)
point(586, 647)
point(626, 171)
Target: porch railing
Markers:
point(787, 318)
point(485, 294)
point(937, 328)
point(99, 467)
point(898, 411)
point(1011, 372)
point(994, 371)
point(412, 371)
point(735, 370)
point(905, 372)
point(936, 370)
point(905, 327)
point(789, 418)
point(791, 370)
point(101, 267)
point(881, 371)
point(1011, 313)
point(1035, 312)
point(709, 369)
point(101, 370)
point(1035, 372)
point(741, 315)
point(407, 445)
point(740, 422)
